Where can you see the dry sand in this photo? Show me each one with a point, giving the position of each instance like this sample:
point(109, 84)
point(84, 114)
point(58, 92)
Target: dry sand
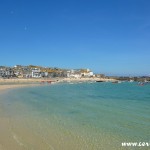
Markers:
point(5, 87)
point(19, 83)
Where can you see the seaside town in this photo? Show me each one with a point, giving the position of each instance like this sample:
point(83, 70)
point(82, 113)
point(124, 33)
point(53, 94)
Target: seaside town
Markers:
point(32, 71)
point(39, 72)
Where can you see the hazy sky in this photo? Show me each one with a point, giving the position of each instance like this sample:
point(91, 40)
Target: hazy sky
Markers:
point(107, 36)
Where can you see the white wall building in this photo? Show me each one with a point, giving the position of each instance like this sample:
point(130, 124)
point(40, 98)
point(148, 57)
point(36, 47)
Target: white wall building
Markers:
point(79, 73)
point(36, 73)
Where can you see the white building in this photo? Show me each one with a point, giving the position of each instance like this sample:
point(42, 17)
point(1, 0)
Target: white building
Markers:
point(36, 73)
point(73, 74)
point(79, 73)
point(87, 73)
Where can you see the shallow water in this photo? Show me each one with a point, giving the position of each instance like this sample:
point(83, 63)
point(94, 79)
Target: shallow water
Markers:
point(85, 116)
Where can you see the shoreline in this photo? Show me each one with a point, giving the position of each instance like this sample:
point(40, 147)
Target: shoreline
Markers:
point(6, 84)
point(39, 80)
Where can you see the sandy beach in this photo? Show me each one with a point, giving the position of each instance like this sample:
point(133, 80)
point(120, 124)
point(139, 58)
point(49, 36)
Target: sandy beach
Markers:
point(6, 87)
point(18, 83)
point(23, 80)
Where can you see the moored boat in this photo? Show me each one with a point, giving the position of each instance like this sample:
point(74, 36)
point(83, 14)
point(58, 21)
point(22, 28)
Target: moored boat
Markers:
point(99, 81)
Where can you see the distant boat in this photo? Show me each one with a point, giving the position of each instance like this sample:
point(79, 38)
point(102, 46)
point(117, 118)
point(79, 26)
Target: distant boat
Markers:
point(99, 81)
point(141, 83)
point(146, 81)
point(131, 81)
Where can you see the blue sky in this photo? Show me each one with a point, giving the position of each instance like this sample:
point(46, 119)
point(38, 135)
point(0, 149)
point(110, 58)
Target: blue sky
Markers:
point(107, 36)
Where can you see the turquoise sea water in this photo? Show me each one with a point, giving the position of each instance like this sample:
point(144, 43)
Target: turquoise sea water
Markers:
point(92, 116)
